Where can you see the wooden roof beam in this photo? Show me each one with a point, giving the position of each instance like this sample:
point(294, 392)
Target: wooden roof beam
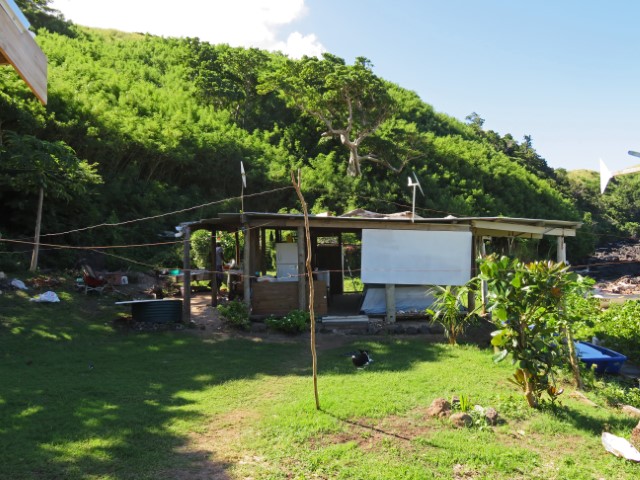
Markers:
point(481, 232)
point(518, 229)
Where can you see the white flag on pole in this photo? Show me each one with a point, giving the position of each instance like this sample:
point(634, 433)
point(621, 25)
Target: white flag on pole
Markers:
point(244, 176)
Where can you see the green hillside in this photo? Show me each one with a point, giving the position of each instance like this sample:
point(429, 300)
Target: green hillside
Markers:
point(166, 122)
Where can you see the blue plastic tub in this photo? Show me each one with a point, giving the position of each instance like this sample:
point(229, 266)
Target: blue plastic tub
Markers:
point(605, 359)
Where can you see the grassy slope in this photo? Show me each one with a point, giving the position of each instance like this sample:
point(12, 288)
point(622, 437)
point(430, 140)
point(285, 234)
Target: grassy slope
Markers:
point(179, 405)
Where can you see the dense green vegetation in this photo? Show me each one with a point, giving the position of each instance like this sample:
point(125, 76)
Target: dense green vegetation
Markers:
point(165, 122)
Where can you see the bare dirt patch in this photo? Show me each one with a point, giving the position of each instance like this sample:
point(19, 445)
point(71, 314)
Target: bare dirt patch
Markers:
point(210, 454)
point(371, 434)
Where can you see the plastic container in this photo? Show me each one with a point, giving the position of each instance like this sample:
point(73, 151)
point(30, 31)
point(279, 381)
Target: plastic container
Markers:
point(605, 359)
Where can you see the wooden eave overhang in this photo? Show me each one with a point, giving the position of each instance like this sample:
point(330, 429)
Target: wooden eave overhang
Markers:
point(523, 227)
point(479, 226)
point(19, 49)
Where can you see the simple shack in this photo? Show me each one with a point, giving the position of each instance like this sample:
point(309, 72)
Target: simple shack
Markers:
point(400, 255)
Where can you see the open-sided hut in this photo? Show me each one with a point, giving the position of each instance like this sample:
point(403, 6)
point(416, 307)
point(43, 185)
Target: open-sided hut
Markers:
point(398, 251)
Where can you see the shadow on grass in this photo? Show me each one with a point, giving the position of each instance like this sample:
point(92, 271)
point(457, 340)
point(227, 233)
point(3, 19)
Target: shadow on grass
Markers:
point(365, 426)
point(389, 354)
point(591, 424)
point(80, 400)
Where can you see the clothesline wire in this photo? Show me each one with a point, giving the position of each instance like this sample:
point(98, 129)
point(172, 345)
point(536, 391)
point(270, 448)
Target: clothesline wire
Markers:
point(166, 214)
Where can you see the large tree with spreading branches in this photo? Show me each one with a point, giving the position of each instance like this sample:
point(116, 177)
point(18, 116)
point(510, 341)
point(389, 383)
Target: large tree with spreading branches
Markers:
point(349, 100)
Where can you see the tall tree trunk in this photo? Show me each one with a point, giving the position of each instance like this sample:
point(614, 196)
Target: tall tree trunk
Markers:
point(36, 240)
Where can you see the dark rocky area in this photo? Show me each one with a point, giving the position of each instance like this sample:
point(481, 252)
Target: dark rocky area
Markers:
point(615, 267)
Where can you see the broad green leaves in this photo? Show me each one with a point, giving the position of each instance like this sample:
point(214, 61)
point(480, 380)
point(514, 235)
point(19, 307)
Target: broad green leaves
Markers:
point(526, 302)
point(28, 164)
point(448, 310)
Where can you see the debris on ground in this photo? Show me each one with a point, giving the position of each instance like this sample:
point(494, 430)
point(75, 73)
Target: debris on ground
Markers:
point(620, 447)
point(19, 284)
point(633, 411)
point(44, 281)
point(46, 297)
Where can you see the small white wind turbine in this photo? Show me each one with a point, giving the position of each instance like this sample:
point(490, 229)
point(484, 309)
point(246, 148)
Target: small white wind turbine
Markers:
point(606, 174)
point(414, 183)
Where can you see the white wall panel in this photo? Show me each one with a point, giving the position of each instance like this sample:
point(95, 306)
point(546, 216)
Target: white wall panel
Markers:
point(406, 257)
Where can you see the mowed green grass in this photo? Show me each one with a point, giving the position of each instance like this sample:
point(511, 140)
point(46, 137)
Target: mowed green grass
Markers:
point(80, 400)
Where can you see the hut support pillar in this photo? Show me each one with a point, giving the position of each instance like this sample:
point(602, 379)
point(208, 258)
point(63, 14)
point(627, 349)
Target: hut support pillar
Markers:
point(562, 250)
point(390, 297)
point(246, 277)
point(214, 275)
point(186, 277)
point(302, 284)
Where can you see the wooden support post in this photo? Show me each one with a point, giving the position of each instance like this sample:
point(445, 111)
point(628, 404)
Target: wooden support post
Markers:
point(302, 283)
point(237, 257)
point(561, 251)
point(214, 275)
point(341, 289)
point(471, 294)
point(186, 277)
point(246, 277)
point(390, 297)
point(263, 251)
point(256, 257)
point(36, 241)
point(314, 251)
point(483, 283)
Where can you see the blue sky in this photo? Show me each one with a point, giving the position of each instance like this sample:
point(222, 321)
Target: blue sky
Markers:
point(565, 72)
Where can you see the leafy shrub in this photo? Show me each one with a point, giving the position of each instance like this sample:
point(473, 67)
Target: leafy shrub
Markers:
point(448, 309)
point(619, 328)
point(236, 314)
point(201, 248)
point(295, 321)
point(615, 391)
point(584, 310)
point(525, 301)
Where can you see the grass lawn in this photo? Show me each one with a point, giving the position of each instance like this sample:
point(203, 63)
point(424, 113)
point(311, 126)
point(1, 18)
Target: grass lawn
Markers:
point(80, 400)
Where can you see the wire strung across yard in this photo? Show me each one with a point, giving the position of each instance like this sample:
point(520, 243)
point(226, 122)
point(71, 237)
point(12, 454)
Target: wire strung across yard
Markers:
point(160, 215)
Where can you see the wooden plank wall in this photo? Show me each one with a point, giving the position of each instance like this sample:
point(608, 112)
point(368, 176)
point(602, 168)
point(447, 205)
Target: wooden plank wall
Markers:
point(280, 298)
point(18, 48)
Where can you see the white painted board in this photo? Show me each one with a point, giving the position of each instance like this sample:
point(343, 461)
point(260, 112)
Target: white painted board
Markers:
point(407, 257)
point(287, 261)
